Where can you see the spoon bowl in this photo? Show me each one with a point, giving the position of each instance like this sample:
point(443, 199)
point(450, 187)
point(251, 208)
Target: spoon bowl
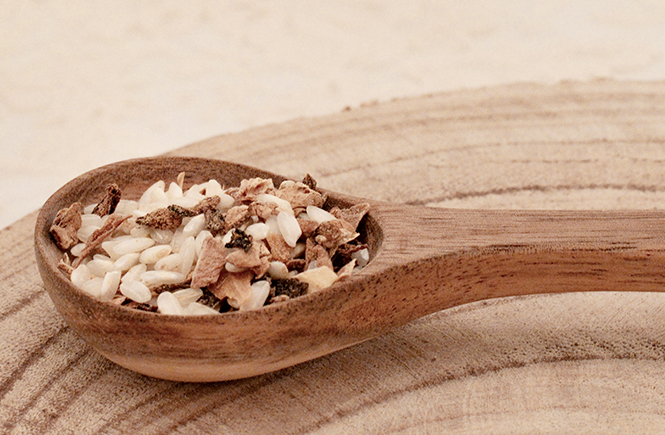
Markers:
point(422, 260)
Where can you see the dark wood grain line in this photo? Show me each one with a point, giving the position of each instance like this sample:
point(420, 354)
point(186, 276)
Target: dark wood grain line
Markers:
point(536, 188)
point(16, 308)
point(62, 406)
point(163, 403)
point(55, 377)
point(436, 381)
point(8, 383)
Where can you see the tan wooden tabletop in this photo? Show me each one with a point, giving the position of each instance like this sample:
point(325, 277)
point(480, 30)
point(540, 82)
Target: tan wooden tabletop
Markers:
point(582, 363)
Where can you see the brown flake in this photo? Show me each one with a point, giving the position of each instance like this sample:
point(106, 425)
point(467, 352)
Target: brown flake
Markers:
point(181, 211)
point(210, 263)
point(343, 253)
point(118, 300)
point(251, 188)
point(307, 226)
point(108, 204)
point(139, 306)
point(297, 265)
point(262, 209)
point(215, 221)
point(236, 216)
point(279, 249)
point(161, 219)
point(245, 259)
point(262, 268)
point(65, 226)
point(317, 253)
point(309, 182)
point(299, 195)
point(353, 215)
point(334, 233)
point(206, 204)
point(99, 235)
point(236, 286)
point(240, 239)
point(264, 257)
point(290, 287)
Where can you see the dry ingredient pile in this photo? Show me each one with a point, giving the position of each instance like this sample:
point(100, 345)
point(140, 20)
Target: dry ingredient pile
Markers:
point(207, 249)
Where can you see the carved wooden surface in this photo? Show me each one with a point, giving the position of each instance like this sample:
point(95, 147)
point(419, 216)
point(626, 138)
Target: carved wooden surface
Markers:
point(585, 362)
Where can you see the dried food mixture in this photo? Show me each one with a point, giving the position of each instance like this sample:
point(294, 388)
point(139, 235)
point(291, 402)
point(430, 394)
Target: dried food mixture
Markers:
point(207, 249)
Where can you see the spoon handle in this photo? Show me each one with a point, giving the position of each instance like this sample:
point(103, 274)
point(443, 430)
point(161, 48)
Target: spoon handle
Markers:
point(449, 257)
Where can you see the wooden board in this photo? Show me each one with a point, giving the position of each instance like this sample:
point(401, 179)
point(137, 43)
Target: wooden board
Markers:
point(586, 363)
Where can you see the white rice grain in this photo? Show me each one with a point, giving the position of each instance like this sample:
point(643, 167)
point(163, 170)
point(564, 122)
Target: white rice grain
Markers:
point(85, 232)
point(155, 278)
point(93, 287)
point(278, 270)
point(170, 262)
point(174, 192)
point(361, 257)
point(194, 192)
point(136, 291)
point(289, 227)
point(154, 193)
point(134, 274)
point(213, 188)
point(77, 249)
point(188, 295)
point(126, 262)
point(99, 267)
point(140, 231)
point(260, 292)
point(91, 220)
point(318, 214)
point(126, 207)
point(197, 309)
point(80, 275)
point(194, 226)
point(110, 285)
point(133, 245)
point(187, 202)
point(160, 236)
point(258, 231)
point(188, 254)
point(168, 304)
point(155, 253)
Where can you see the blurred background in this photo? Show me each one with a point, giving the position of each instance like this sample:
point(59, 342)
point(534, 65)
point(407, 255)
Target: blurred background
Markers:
point(83, 84)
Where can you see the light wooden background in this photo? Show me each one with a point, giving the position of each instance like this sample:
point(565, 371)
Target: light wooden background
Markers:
point(580, 363)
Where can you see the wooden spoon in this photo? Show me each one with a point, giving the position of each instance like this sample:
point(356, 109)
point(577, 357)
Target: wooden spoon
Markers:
point(422, 260)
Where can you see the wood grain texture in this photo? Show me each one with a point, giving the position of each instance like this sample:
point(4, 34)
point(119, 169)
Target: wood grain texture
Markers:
point(583, 362)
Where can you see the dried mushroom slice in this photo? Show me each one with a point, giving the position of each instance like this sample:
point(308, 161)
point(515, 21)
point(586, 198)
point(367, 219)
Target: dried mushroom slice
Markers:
point(289, 287)
point(353, 215)
point(299, 195)
point(161, 219)
point(65, 226)
point(334, 233)
point(110, 201)
point(236, 216)
point(251, 188)
point(210, 264)
point(234, 286)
